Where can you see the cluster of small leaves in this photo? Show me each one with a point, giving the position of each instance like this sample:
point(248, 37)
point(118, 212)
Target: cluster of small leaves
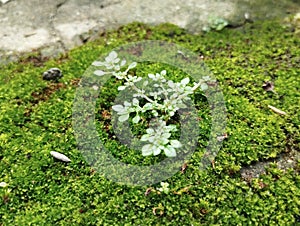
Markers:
point(164, 187)
point(215, 23)
point(166, 97)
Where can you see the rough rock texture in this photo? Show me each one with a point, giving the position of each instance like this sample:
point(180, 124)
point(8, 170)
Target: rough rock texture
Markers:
point(58, 25)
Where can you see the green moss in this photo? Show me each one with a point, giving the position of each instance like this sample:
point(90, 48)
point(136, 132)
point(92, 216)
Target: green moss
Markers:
point(36, 118)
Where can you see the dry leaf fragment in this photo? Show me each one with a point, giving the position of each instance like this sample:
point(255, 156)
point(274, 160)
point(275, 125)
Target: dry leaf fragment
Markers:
point(60, 156)
point(148, 191)
point(213, 164)
point(277, 110)
point(222, 137)
point(183, 190)
point(160, 208)
point(183, 167)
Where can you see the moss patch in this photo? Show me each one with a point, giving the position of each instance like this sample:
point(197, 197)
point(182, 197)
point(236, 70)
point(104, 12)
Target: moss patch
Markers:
point(36, 117)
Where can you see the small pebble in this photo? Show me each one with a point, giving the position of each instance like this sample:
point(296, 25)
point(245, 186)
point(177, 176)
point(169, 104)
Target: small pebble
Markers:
point(60, 156)
point(53, 74)
point(268, 86)
point(247, 16)
point(3, 184)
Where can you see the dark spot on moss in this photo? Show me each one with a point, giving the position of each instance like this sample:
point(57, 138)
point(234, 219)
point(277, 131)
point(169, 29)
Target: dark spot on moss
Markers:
point(36, 59)
point(46, 92)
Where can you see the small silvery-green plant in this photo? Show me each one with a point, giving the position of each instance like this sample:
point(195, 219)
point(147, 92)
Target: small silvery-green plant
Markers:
point(215, 23)
point(165, 98)
point(164, 187)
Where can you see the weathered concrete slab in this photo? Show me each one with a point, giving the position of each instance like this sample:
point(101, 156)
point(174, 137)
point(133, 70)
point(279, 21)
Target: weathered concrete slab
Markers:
point(56, 24)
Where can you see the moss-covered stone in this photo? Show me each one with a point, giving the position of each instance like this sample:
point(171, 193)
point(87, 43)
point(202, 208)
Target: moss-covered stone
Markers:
point(36, 118)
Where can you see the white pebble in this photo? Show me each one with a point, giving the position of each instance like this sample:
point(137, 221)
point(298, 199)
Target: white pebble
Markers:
point(60, 156)
point(247, 16)
point(3, 184)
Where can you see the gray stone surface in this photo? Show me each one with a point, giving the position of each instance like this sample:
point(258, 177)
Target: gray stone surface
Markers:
point(55, 26)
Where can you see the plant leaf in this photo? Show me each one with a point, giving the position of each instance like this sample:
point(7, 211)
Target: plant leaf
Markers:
point(185, 81)
point(175, 144)
point(156, 151)
point(170, 151)
point(118, 108)
point(132, 65)
point(97, 63)
point(123, 118)
point(136, 119)
point(99, 73)
point(204, 86)
point(152, 76)
point(147, 150)
point(123, 62)
point(150, 131)
point(121, 88)
point(145, 137)
point(112, 56)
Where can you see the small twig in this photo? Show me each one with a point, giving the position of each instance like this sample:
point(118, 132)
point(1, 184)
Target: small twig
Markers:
point(277, 110)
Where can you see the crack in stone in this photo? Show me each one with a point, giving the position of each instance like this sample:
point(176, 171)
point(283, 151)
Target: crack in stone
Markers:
point(54, 31)
point(283, 161)
point(110, 3)
point(60, 4)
